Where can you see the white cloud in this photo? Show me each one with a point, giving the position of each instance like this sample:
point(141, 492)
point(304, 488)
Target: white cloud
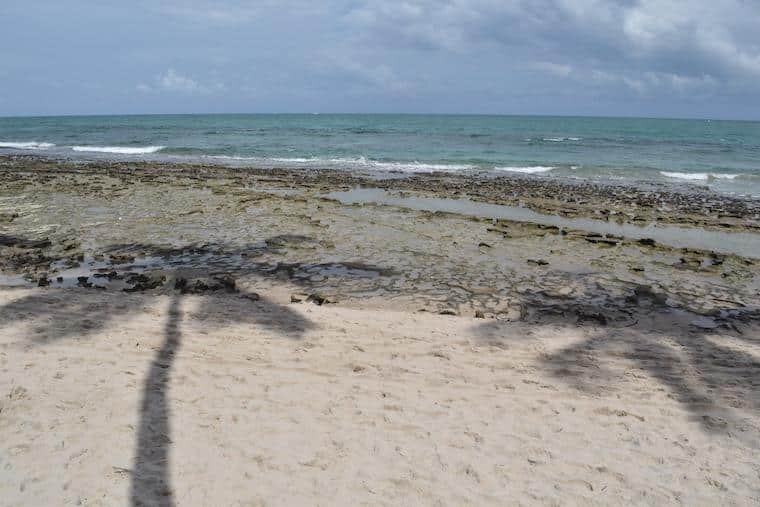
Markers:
point(172, 81)
point(639, 82)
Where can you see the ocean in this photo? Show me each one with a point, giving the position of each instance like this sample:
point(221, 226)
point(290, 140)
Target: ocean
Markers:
point(721, 155)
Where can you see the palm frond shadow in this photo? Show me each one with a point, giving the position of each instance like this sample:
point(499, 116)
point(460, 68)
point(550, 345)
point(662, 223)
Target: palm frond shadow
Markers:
point(713, 381)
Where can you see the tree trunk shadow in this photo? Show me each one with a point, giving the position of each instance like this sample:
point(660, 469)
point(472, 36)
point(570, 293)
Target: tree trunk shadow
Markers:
point(151, 484)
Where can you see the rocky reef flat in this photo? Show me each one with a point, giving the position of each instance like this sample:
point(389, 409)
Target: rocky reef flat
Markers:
point(142, 226)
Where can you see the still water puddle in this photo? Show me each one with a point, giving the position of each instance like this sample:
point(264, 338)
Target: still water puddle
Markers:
point(739, 243)
point(95, 272)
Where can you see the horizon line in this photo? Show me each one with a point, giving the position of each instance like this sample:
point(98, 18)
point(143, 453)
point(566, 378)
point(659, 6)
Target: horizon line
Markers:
point(513, 115)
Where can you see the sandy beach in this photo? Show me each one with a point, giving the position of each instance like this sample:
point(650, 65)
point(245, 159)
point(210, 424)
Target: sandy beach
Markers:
point(110, 399)
point(200, 336)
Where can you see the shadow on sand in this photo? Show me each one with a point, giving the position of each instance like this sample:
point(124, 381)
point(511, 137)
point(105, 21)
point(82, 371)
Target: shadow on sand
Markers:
point(150, 483)
point(714, 377)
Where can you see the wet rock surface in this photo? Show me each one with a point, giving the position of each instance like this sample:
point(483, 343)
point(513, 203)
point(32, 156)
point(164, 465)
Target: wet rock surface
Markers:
point(224, 283)
point(141, 282)
point(147, 227)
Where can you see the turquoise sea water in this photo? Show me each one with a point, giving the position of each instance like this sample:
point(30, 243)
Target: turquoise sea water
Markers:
point(724, 155)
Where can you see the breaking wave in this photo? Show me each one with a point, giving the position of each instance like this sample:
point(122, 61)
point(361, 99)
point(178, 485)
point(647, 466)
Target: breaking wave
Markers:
point(350, 163)
point(526, 170)
point(560, 139)
point(26, 146)
point(124, 150)
point(699, 176)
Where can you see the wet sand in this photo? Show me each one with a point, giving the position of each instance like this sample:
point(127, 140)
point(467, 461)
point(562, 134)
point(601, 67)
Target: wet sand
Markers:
point(201, 335)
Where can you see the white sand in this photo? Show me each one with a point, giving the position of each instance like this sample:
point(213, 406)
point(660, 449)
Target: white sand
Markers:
point(280, 404)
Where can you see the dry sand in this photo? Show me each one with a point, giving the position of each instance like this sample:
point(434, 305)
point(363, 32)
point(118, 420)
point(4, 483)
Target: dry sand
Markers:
point(111, 399)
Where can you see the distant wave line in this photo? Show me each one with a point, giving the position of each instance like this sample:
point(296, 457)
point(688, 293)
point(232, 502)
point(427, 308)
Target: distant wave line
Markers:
point(31, 145)
point(353, 163)
point(526, 170)
point(124, 150)
point(699, 176)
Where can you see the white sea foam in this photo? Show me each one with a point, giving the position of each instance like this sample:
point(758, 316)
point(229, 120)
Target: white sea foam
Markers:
point(124, 150)
point(698, 176)
point(560, 139)
point(526, 170)
point(416, 167)
point(231, 157)
point(349, 163)
point(26, 146)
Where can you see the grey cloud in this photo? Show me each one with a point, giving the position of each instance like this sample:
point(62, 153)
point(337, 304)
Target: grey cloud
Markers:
point(690, 39)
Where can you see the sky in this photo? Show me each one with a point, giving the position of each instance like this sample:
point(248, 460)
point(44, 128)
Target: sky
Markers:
point(658, 58)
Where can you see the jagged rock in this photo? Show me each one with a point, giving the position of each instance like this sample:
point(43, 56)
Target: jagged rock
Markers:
point(199, 286)
point(83, 281)
point(501, 230)
point(291, 241)
point(692, 262)
point(24, 243)
point(644, 293)
point(111, 275)
point(600, 240)
point(597, 317)
point(225, 282)
point(318, 299)
point(121, 259)
point(143, 282)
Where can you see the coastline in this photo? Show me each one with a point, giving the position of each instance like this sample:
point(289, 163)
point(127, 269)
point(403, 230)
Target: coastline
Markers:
point(685, 204)
point(244, 316)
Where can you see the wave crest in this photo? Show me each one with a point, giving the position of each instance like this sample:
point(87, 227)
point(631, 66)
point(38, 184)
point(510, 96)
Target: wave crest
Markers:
point(32, 145)
point(699, 176)
point(124, 150)
point(526, 170)
point(351, 163)
point(560, 139)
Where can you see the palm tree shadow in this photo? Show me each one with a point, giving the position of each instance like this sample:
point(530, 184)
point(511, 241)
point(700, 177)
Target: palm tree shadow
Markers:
point(62, 317)
point(151, 484)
